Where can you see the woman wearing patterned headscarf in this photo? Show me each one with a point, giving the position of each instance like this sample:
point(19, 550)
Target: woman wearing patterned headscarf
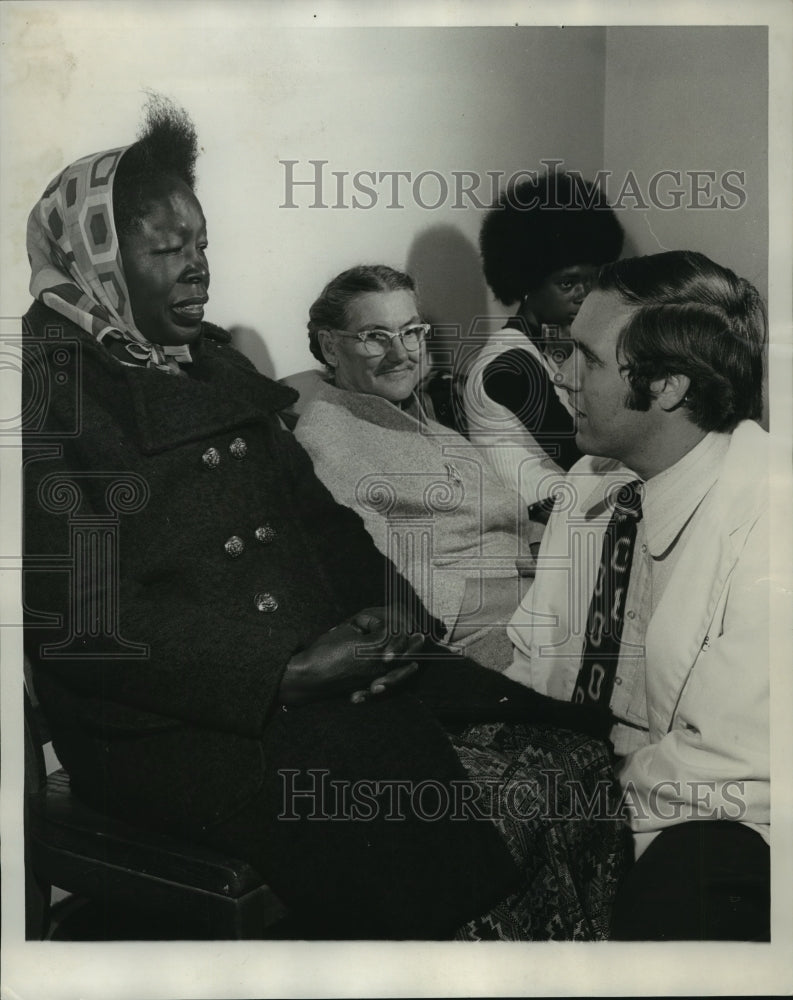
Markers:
point(216, 621)
point(85, 245)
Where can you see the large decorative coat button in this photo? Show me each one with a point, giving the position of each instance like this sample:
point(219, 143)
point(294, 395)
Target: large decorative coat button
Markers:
point(211, 458)
point(234, 546)
point(265, 534)
point(265, 602)
point(238, 448)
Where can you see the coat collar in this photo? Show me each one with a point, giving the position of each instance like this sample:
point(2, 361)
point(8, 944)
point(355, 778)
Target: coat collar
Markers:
point(223, 390)
point(379, 411)
point(221, 394)
point(744, 459)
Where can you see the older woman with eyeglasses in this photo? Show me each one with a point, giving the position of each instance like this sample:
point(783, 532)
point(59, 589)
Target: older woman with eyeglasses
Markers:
point(427, 496)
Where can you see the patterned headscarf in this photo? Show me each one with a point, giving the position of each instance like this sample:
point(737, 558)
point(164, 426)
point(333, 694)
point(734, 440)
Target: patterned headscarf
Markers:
point(76, 265)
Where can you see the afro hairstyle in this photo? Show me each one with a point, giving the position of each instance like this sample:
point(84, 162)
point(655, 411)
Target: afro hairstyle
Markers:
point(538, 227)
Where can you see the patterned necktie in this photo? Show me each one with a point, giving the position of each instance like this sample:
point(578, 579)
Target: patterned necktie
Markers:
point(595, 680)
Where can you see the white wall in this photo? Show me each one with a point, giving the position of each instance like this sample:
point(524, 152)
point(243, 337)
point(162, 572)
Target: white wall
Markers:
point(479, 99)
point(412, 99)
point(692, 99)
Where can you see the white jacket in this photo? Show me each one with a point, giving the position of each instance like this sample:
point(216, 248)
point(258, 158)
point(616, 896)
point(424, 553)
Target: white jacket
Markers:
point(706, 651)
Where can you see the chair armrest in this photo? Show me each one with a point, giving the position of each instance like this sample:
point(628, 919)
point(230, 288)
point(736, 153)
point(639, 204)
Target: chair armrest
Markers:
point(60, 821)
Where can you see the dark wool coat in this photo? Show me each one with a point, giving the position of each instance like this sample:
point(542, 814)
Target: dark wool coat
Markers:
point(178, 551)
point(159, 666)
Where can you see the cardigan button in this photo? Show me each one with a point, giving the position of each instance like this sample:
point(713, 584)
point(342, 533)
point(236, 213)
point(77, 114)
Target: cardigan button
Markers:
point(265, 602)
point(211, 458)
point(238, 448)
point(234, 546)
point(265, 534)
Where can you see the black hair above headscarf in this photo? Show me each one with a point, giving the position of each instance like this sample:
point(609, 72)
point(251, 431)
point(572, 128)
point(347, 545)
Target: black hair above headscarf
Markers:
point(538, 227)
point(166, 148)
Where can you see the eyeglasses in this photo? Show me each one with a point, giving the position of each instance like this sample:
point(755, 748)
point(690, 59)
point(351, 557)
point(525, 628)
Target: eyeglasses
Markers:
point(379, 342)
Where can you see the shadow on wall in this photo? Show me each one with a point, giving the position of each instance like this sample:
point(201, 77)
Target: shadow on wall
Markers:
point(629, 248)
point(252, 345)
point(452, 289)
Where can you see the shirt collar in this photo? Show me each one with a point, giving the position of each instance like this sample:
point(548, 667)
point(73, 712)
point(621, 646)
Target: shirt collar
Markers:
point(671, 497)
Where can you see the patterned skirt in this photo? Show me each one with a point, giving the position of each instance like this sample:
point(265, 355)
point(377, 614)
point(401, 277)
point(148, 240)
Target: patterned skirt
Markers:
point(554, 799)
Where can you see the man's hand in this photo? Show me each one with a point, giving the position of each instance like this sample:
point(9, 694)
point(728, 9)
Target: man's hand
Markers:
point(351, 658)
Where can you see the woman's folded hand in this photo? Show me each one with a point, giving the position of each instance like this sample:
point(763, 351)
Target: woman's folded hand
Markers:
point(361, 656)
point(382, 684)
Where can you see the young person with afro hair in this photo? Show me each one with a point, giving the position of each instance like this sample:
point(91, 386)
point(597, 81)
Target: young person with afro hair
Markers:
point(542, 244)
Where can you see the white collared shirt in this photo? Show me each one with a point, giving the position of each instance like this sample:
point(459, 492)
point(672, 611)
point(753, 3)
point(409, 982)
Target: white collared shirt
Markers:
point(548, 629)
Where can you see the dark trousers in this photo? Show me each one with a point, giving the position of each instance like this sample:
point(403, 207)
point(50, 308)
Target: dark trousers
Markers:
point(700, 881)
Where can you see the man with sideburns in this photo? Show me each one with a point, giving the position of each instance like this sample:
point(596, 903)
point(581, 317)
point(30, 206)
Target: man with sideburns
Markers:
point(651, 595)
